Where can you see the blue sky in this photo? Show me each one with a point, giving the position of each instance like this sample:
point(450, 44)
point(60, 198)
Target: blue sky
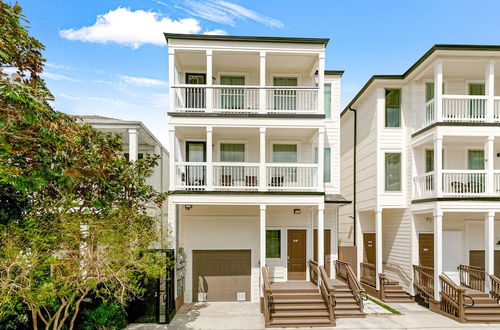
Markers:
point(109, 58)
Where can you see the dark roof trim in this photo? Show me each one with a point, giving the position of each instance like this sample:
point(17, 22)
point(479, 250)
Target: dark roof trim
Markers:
point(336, 199)
point(246, 38)
point(431, 126)
point(451, 199)
point(247, 115)
point(417, 63)
point(334, 72)
point(243, 192)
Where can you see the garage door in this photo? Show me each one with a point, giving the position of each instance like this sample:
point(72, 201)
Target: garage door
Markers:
point(222, 275)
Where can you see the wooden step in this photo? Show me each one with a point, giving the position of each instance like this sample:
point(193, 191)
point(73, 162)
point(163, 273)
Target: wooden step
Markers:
point(314, 290)
point(318, 300)
point(294, 295)
point(482, 318)
point(300, 314)
point(490, 311)
point(300, 322)
point(341, 301)
point(299, 307)
point(483, 306)
point(346, 306)
point(348, 313)
point(394, 288)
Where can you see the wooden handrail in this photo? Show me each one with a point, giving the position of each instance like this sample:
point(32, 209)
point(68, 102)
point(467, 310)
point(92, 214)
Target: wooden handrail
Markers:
point(318, 273)
point(423, 280)
point(383, 282)
point(472, 277)
point(268, 295)
point(345, 272)
point(453, 298)
point(368, 273)
point(495, 287)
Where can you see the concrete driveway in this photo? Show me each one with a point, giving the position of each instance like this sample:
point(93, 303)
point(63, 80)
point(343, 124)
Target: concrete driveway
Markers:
point(246, 315)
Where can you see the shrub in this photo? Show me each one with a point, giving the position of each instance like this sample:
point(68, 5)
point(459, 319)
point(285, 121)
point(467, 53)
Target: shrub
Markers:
point(109, 315)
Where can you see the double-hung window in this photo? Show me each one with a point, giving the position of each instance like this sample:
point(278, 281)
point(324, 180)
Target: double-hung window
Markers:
point(273, 243)
point(392, 172)
point(327, 167)
point(392, 108)
point(328, 100)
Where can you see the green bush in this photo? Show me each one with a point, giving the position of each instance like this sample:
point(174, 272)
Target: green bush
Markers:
point(109, 316)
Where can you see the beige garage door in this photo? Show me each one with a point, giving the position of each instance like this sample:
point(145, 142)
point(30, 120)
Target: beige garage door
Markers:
point(221, 274)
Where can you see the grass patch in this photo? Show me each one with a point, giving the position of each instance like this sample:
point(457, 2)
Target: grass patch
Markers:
point(381, 304)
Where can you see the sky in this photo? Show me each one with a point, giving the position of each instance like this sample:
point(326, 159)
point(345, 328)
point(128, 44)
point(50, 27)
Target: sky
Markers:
point(109, 58)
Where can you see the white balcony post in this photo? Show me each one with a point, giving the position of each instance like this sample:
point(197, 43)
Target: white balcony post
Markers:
point(133, 144)
point(209, 91)
point(321, 234)
point(262, 253)
point(378, 246)
point(321, 158)
point(438, 252)
point(172, 172)
point(490, 89)
point(490, 161)
point(438, 90)
point(489, 246)
point(262, 83)
point(171, 79)
point(438, 164)
point(321, 83)
point(262, 159)
point(210, 171)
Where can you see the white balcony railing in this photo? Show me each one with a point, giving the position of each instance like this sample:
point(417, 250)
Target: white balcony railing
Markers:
point(424, 186)
point(291, 176)
point(429, 112)
point(496, 109)
point(236, 176)
point(233, 99)
point(246, 176)
point(464, 108)
point(464, 182)
point(496, 183)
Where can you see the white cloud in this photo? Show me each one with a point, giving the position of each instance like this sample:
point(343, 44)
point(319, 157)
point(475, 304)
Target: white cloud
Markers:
point(56, 76)
point(110, 101)
point(132, 28)
point(8, 70)
point(59, 66)
point(216, 32)
point(225, 12)
point(143, 82)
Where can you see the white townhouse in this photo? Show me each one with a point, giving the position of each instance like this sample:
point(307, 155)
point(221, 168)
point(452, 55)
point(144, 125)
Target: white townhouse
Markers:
point(138, 141)
point(254, 139)
point(420, 158)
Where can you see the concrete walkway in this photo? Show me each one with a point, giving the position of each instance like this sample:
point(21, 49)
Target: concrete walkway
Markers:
point(246, 315)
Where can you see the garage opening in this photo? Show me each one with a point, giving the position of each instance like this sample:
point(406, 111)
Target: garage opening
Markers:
point(221, 275)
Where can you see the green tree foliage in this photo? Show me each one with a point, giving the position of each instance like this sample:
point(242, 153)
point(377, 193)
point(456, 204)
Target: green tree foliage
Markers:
point(74, 212)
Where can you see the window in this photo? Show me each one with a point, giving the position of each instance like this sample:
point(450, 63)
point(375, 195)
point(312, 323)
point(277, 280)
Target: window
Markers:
point(273, 243)
point(232, 152)
point(284, 153)
point(285, 99)
point(328, 100)
point(476, 159)
point(392, 108)
point(429, 161)
point(393, 172)
point(327, 168)
point(232, 98)
point(139, 155)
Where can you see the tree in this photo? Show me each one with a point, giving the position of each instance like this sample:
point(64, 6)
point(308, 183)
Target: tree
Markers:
point(74, 216)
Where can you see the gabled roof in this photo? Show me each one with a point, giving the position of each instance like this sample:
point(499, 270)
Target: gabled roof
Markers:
point(246, 38)
point(417, 63)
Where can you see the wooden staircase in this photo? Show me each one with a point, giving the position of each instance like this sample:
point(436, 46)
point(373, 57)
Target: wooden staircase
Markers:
point(346, 303)
point(485, 309)
point(392, 291)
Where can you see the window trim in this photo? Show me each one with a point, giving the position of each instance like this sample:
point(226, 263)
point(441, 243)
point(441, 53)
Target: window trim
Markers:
point(280, 229)
point(400, 172)
point(297, 143)
point(474, 82)
point(474, 148)
point(400, 108)
point(218, 148)
point(219, 76)
point(315, 147)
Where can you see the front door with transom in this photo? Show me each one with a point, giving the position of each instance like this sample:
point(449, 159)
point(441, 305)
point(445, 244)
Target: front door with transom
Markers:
point(296, 254)
point(426, 250)
point(327, 248)
point(369, 248)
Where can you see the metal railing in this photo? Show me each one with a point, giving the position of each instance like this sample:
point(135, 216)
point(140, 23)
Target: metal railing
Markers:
point(464, 108)
point(472, 277)
point(345, 273)
point(424, 185)
point(464, 182)
point(368, 274)
point(286, 176)
point(235, 176)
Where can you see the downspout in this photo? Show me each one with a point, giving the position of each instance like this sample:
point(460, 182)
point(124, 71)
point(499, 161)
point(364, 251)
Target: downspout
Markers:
point(354, 172)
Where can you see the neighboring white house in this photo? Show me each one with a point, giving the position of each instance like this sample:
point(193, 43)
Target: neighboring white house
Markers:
point(254, 172)
point(138, 141)
point(427, 167)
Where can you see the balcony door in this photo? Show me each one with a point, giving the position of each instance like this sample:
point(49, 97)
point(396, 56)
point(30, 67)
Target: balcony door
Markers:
point(285, 99)
point(196, 152)
point(195, 96)
point(477, 108)
point(232, 98)
point(284, 153)
point(231, 175)
point(476, 181)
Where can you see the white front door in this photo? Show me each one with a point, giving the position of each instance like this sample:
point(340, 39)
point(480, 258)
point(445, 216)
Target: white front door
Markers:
point(452, 253)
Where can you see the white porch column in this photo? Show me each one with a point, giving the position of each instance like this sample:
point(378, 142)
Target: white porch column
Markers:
point(378, 246)
point(321, 158)
point(210, 91)
point(438, 164)
point(489, 166)
point(438, 252)
point(210, 165)
point(438, 90)
point(321, 83)
point(490, 89)
point(262, 82)
point(489, 246)
point(171, 168)
point(171, 79)
point(262, 235)
point(262, 159)
point(321, 234)
point(133, 144)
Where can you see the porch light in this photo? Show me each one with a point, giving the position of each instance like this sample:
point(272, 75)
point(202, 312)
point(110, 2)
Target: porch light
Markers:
point(188, 207)
point(296, 211)
point(498, 243)
point(316, 77)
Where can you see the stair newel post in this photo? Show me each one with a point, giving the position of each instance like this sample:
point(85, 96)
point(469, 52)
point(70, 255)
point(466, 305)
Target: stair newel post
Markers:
point(461, 305)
